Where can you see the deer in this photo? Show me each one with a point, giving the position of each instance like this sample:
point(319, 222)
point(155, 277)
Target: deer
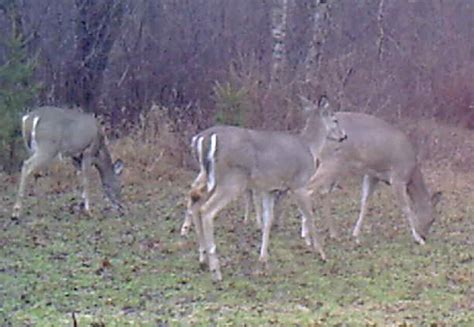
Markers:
point(49, 132)
point(250, 197)
point(235, 159)
point(379, 152)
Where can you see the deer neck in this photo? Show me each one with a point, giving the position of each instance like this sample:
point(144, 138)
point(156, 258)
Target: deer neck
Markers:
point(103, 163)
point(314, 134)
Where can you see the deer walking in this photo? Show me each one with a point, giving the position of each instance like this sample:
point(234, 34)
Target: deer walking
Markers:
point(379, 152)
point(233, 160)
point(49, 132)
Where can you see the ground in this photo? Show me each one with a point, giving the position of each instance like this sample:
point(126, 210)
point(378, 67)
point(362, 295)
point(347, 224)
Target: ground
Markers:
point(136, 270)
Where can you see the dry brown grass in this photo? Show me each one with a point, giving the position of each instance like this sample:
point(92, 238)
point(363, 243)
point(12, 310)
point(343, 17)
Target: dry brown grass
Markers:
point(444, 146)
point(154, 150)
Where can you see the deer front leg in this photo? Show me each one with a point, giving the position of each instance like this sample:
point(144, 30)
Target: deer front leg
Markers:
point(304, 228)
point(85, 164)
point(401, 192)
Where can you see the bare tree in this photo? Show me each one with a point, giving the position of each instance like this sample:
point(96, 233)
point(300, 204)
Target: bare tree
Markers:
point(97, 26)
point(279, 25)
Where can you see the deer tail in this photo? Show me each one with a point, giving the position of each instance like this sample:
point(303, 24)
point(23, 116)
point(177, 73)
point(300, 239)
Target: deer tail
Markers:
point(205, 148)
point(29, 124)
point(211, 163)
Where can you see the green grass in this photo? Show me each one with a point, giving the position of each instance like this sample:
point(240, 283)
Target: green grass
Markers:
point(136, 270)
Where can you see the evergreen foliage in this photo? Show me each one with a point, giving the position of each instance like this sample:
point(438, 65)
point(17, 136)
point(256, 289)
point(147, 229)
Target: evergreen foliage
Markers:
point(16, 88)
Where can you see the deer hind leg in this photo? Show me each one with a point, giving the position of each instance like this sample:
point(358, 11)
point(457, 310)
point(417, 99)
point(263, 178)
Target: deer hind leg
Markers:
point(36, 161)
point(248, 205)
point(304, 202)
point(253, 197)
point(368, 188)
point(197, 187)
point(401, 192)
point(257, 204)
point(193, 214)
point(221, 196)
point(196, 197)
point(322, 182)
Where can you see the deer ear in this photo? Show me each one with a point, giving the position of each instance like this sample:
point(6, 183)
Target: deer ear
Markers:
point(436, 198)
point(118, 167)
point(307, 104)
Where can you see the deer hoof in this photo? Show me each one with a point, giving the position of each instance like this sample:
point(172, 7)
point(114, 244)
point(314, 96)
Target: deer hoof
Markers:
point(420, 240)
point(333, 235)
point(262, 268)
point(16, 212)
point(184, 230)
point(323, 255)
point(83, 210)
point(216, 276)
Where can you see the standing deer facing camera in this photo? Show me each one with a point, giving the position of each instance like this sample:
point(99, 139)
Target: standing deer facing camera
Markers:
point(233, 160)
point(49, 132)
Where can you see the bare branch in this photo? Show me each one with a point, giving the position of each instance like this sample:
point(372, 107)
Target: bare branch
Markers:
point(381, 38)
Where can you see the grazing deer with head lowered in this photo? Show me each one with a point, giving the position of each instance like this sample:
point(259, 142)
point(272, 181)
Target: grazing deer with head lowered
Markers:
point(233, 160)
point(50, 131)
point(377, 151)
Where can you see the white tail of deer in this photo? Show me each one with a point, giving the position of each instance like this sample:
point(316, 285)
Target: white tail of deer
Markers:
point(234, 160)
point(379, 152)
point(49, 132)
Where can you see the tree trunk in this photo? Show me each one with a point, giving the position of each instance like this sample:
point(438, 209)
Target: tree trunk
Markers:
point(97, 27)
point(319, 32)
point(279, 28)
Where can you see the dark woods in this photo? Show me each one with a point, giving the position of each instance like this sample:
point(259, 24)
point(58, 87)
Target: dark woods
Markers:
point(244, 62)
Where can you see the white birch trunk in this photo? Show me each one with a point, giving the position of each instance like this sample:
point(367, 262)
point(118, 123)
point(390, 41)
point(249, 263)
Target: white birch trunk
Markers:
point(279, 27)
point(319, 31)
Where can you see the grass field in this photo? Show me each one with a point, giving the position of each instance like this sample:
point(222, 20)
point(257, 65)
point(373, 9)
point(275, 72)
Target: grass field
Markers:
point(136, 270)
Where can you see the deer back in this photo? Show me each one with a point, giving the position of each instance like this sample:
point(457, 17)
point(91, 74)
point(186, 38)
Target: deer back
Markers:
point(269, 160)
point(373, 147)
point(56, 130)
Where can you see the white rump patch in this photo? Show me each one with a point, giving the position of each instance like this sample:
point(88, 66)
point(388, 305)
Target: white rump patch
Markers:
point(23, 120)
point(199, 152)
point(211, 157)
point(193, 141)
point(34, 143)
point(23, 129)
